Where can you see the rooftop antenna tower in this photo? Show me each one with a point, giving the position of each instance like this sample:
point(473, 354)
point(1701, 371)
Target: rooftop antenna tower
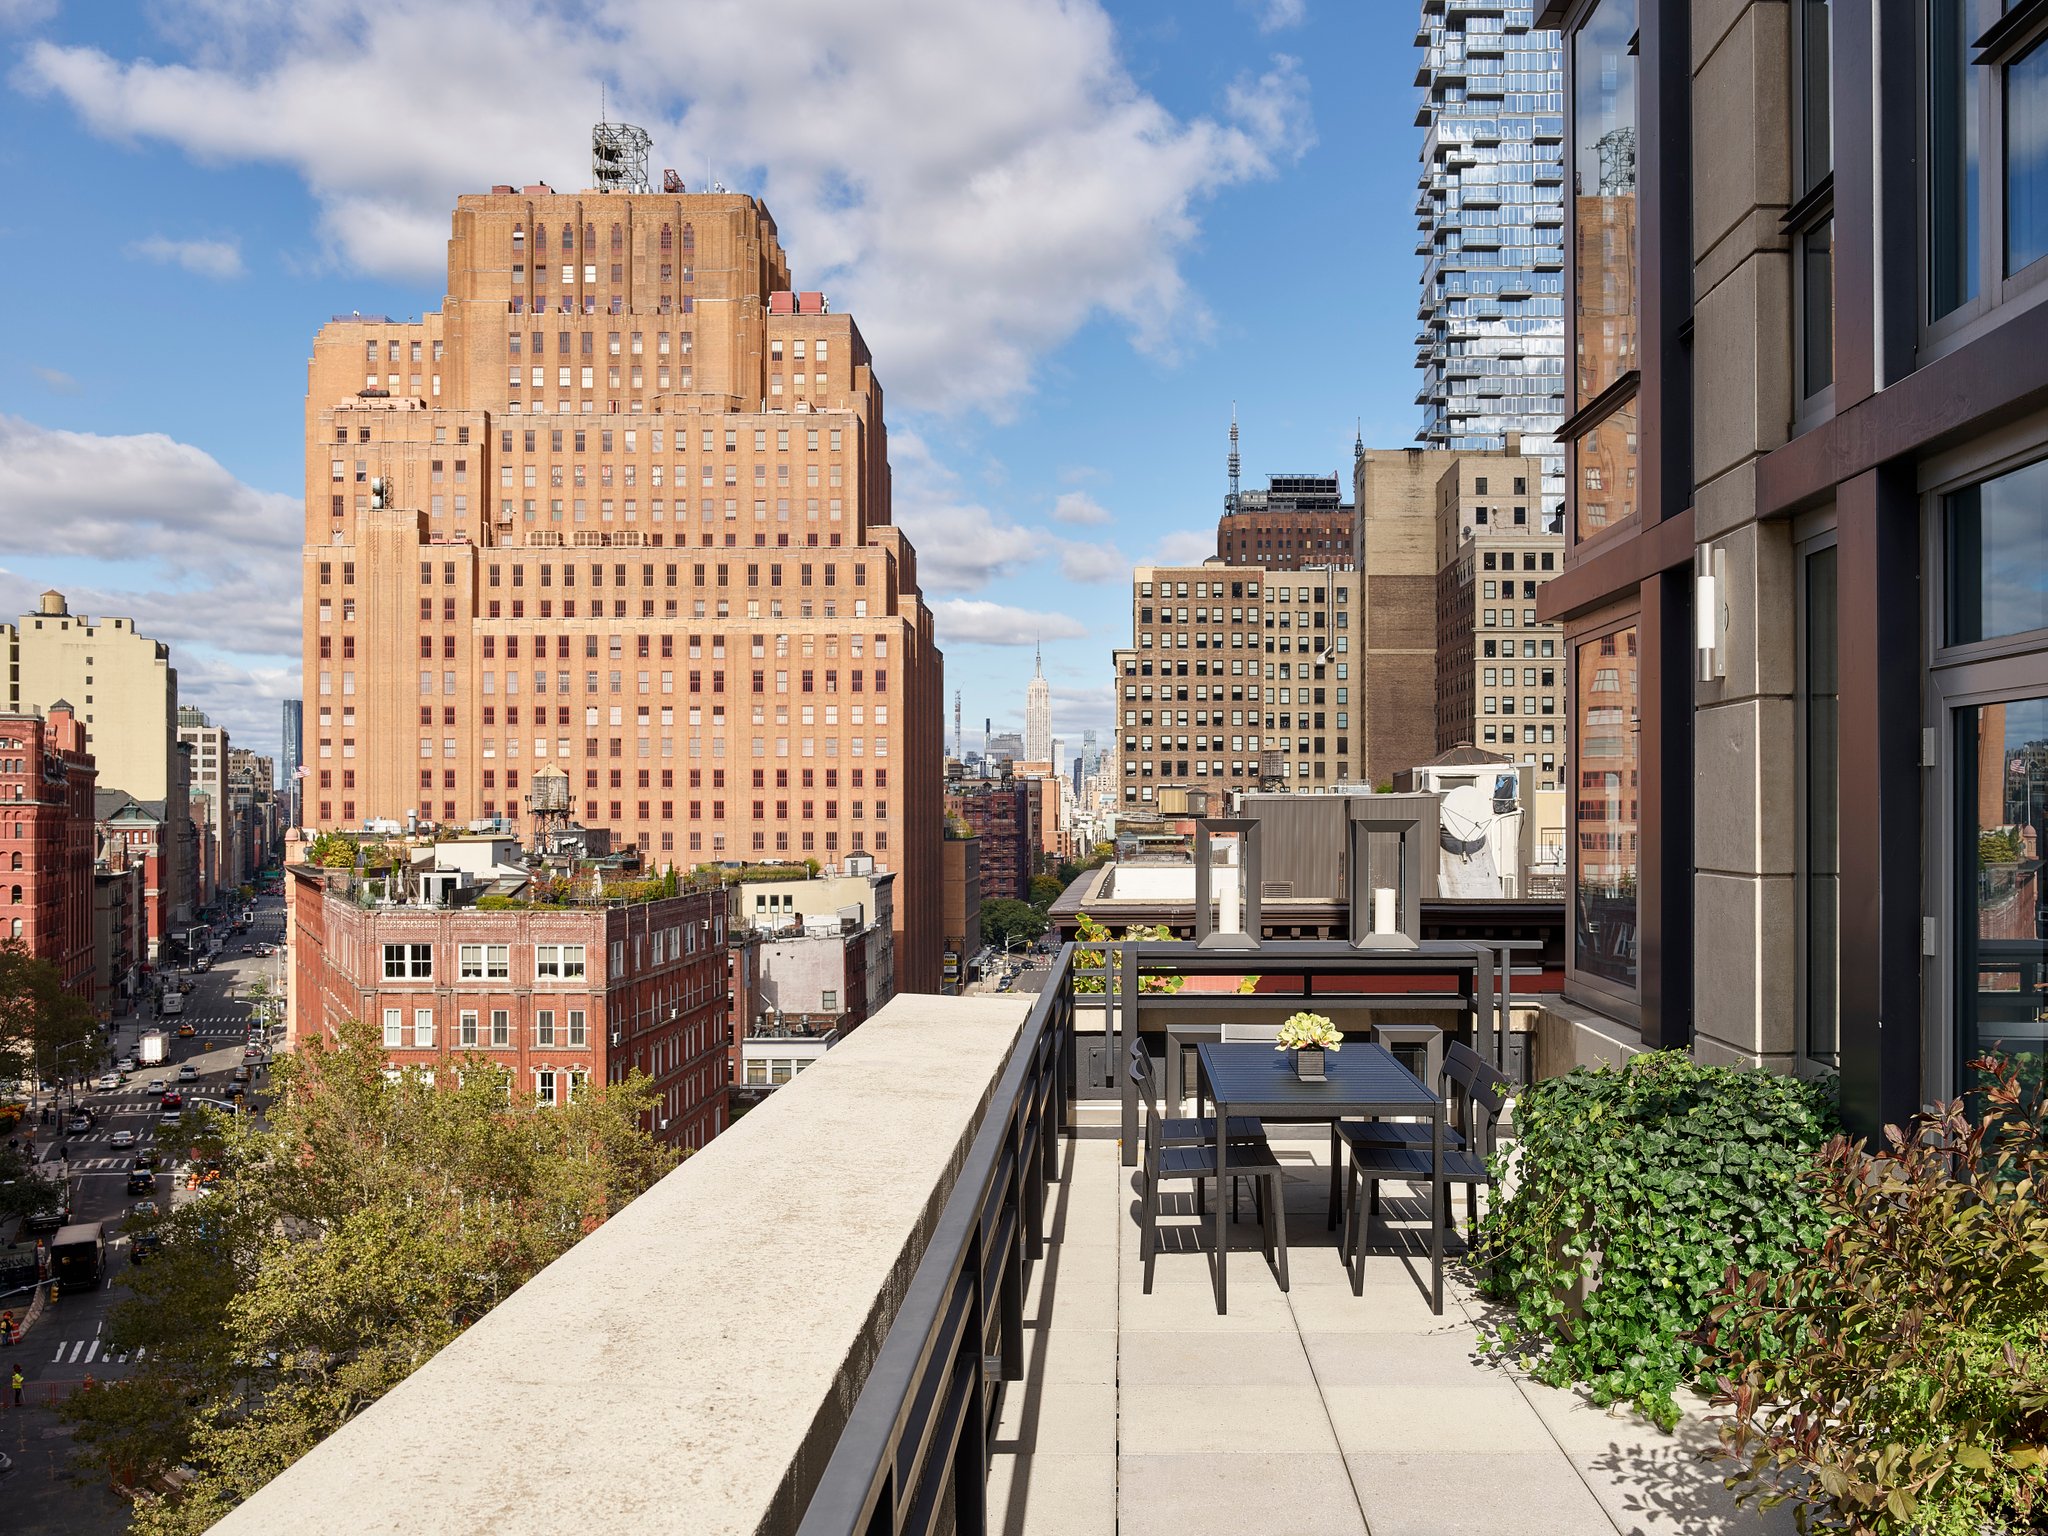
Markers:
point(1230, 501)
point(959, 736)
point(618, 154)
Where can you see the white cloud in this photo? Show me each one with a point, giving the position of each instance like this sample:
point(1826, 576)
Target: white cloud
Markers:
point(975, 182)
point(55, 380)
point(1279, 15)
point(1080, 508)
point(1092, 562)
point(961, 545)
point(206, 258)
point(1186, 546)
point(25, 13)
point(220, 560)
point(966, 620)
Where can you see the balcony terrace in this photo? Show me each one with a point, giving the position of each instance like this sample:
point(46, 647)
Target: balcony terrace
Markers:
point(904, 1295)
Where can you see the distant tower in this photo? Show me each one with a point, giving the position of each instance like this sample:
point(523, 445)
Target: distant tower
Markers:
point(1230, 501)
point(1038, 714)
point(618, 157)
point(959, 736)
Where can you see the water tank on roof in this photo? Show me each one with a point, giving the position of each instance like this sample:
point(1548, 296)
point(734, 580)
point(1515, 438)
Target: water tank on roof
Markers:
point(550, 792)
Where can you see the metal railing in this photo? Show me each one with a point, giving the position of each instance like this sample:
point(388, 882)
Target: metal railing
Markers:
point(914, 1456)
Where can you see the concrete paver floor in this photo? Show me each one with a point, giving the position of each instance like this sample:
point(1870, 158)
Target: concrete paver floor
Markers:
point(1307, 1412)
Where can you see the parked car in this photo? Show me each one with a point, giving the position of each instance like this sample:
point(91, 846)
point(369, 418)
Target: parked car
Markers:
point(122, 1138)
point(240, 1074)
point(188, 1073)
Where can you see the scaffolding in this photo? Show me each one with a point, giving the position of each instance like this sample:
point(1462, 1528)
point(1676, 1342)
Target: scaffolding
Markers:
point(618, 157)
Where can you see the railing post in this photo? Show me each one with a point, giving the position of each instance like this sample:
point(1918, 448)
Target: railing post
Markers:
point(1013, 1270)
point(970, 1452)
point(1127, 1024)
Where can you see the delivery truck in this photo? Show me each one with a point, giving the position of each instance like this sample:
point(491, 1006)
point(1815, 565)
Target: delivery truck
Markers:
point(149, 1051)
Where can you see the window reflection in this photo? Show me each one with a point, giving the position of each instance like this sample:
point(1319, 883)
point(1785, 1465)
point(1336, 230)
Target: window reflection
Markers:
point(1605, 463)
point(1604, 196)
point(1605, 808)
point(1998, 557)
point(1954, 96)
point(2002, 969)
point(2026, 159)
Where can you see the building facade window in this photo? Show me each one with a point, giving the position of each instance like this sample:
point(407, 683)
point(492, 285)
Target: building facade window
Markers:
point(408, 962)
point(1605, 815)
point(1813, 211)
point(1989, 705)
point(558, 962)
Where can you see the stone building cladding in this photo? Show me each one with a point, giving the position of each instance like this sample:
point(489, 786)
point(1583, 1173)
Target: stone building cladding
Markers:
point(680, 511)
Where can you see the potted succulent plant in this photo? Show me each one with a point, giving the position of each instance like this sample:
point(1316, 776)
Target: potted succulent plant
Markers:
point(1308, 1035)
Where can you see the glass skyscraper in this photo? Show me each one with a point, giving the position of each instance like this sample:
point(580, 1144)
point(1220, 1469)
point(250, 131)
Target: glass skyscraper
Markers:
point(1491, 211)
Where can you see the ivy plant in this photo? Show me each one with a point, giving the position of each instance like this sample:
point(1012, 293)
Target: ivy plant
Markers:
point(1630, 1191)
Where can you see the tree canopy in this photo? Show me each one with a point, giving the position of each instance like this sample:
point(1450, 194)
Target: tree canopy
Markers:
point(1004, 921)
point(1045, 890)
point(47, 1033)
point(358, 1231)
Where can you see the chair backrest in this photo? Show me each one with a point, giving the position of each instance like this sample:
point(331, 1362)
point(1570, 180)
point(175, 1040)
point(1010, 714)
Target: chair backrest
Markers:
point(1483, 1087)
point(1264, 1034)
point(1140, 1071)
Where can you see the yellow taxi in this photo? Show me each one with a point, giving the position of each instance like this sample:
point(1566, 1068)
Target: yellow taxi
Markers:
point(186, 1031)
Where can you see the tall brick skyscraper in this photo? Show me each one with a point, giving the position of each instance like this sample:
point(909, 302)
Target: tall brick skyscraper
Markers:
point(622, 506)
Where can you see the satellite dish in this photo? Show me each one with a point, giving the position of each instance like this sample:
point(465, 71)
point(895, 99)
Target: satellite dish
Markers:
point(1467, 816)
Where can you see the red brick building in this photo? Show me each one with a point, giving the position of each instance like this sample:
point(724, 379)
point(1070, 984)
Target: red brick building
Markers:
point(131, 833)
point(47, 842)
point(1005, 814)
point(557, 994)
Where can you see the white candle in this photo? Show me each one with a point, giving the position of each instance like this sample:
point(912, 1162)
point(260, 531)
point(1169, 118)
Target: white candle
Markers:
point(1227, 920)
point(1383, 920)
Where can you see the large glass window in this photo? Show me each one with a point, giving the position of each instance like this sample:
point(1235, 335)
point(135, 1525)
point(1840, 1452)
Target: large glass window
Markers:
point(1820, 809)
point(1605, 464)
point(1605, 811)
point(1814, 164)
point(2026, 159)
point(1954, 131)
point(1604, 196)
point(2001, 755)
point(1997, 557)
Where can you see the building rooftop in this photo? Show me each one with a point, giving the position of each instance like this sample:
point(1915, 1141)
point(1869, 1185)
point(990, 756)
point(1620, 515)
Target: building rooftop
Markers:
point(973, 1299)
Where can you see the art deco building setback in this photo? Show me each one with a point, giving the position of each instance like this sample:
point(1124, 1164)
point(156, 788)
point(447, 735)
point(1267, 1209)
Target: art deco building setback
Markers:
point(622, 507)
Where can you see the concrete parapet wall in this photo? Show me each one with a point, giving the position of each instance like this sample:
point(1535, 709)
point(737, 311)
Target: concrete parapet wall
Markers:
point(689, 1366)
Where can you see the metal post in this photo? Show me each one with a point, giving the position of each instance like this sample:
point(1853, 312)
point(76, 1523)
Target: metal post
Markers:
point(1127, 1025)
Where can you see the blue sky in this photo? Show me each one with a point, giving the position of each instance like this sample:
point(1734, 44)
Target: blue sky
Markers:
point(1072, 234)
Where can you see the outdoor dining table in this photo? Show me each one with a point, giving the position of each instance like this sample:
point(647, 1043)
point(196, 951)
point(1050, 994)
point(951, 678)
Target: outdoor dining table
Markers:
point(1361, 1081)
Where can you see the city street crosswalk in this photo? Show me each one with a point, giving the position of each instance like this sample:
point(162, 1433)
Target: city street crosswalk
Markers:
point(88, 1351)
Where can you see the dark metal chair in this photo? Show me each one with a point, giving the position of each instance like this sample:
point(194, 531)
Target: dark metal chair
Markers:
point(1476, 1089)
point(1185, 1150)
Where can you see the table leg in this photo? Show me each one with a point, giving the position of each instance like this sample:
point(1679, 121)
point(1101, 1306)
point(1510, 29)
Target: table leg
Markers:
point(1336, 1162)
point(1438, 1190)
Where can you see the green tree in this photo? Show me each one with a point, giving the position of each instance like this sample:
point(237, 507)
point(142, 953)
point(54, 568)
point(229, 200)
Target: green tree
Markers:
point(361, 1229)
point(1045, 890)
point(1005, 921)
point(46, 1032)
point(24, 1190)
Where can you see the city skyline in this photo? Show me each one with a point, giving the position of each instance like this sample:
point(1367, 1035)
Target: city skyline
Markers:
point(1018, 540)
